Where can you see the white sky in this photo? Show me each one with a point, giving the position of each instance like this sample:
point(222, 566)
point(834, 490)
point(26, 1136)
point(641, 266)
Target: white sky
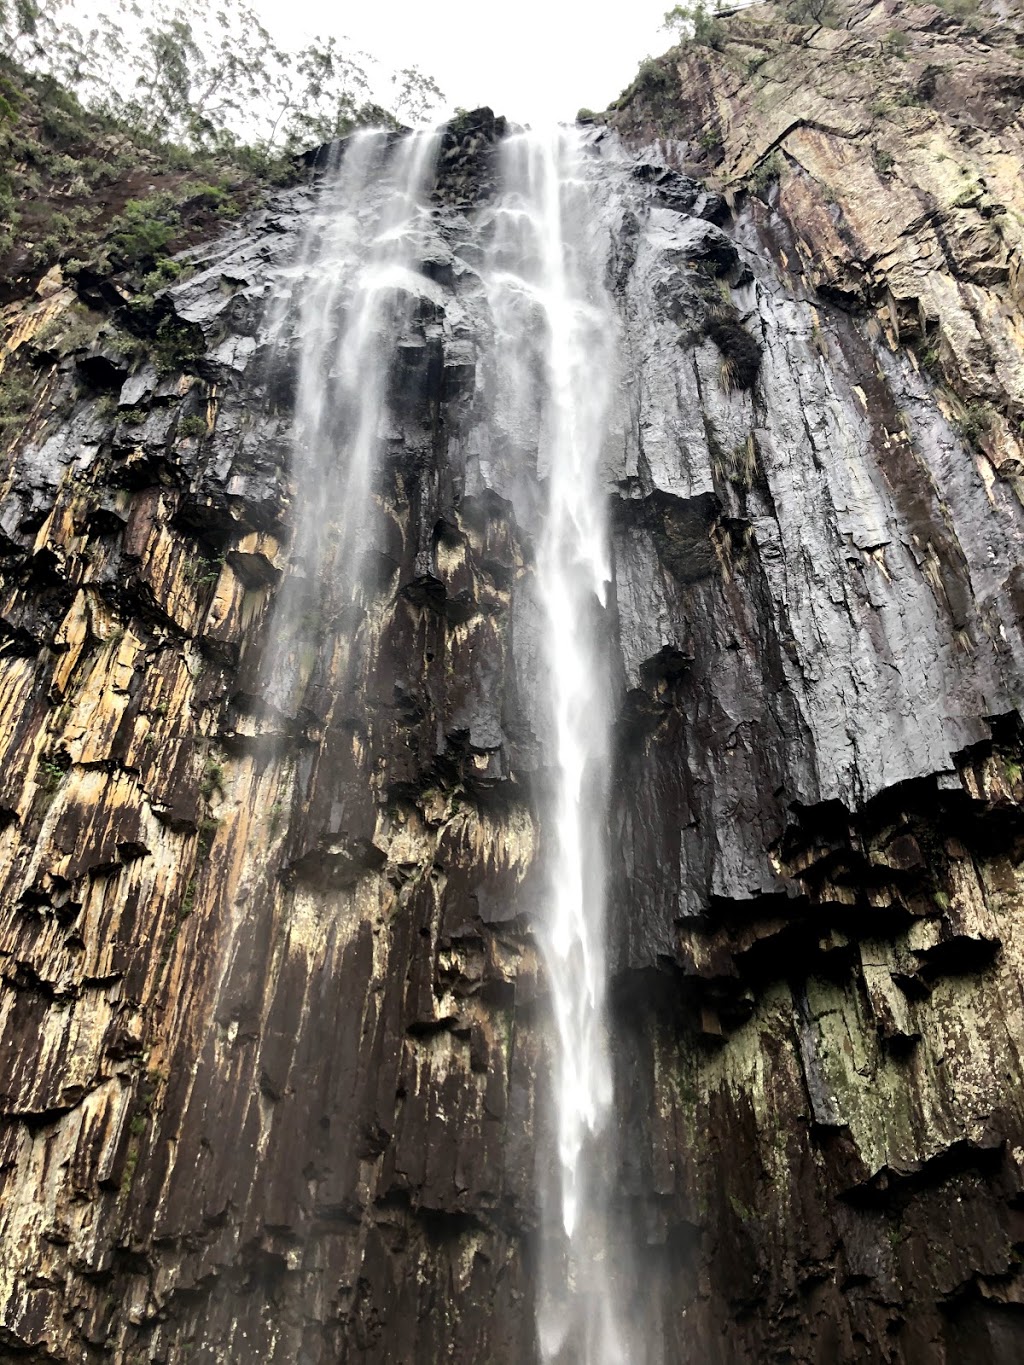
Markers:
point(531, 60)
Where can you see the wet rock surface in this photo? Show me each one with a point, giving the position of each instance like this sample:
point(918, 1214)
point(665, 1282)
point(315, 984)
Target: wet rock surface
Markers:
point(271, 1014)
point(885, 142)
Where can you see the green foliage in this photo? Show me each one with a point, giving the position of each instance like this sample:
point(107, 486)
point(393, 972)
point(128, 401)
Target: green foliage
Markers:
point(166, 272)
point(652, 80)
point(131, 1163)
point(416, 95)
point(51, 774)
point(967, 196)
point(896, 1235)
point(177, 345)
point(203, 572)
point(54, 200)
point(90, 93)
point(808, 12)
point(740, 465)
point(144, 229)
point(212, 197)
point(207, 833)
point(186, 907)
point(883, 161)
point(68, 331)
point(765, 173)
point(696, 23)
point(193, 425)
point(741, 353)
point(206, 73)
point(10, 96)
point(17, 396)
point(212, 779)
point(63, 229)
point(975, 421)
point(127, 345)
point(896, 42)
point(928, 356)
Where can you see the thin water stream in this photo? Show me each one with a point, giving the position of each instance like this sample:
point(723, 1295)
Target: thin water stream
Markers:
point(555, 335)
point(350, 300)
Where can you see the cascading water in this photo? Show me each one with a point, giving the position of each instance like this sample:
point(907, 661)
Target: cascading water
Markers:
point(555, 332)
point(551, 376)
point(351, 297)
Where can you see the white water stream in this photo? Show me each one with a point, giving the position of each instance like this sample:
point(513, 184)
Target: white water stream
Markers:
point(551, 375)
point(556, 346)
point(352, 292)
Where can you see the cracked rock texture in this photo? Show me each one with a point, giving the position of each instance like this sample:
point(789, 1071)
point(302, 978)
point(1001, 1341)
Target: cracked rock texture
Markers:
point(891, 137)
point(271, 1015)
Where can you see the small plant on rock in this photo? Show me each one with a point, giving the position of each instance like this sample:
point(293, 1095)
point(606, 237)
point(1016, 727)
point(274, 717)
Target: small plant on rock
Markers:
point(177, 346)
point(212, 779)
point(928, 355)
point(767, 171)
point(17, 396)
point(896, 42)
point(207, 833)
point(975, 421)
point(51, 775)
point(193, 425)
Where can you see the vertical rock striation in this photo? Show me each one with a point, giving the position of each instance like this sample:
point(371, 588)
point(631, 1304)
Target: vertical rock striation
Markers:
point(271, 1010)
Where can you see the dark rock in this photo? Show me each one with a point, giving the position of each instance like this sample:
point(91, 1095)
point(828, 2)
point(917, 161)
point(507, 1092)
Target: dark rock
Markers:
point(272, 1026)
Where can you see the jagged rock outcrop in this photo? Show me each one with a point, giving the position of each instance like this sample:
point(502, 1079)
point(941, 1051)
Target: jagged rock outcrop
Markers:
point(270, 1007)
point(887, 139)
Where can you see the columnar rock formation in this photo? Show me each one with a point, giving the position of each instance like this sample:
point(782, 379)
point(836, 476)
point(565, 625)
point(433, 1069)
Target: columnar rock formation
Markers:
point(271, 1010)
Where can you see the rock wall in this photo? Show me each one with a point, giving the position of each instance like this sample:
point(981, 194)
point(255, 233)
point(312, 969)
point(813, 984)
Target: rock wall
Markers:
point(271, 1016)
point(886, 140)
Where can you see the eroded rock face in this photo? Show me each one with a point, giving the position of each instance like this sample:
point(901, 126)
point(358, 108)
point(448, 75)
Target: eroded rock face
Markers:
point(888, 140)
point(271, 1019)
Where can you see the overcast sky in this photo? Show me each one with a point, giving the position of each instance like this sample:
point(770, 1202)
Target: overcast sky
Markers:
point(529, 59)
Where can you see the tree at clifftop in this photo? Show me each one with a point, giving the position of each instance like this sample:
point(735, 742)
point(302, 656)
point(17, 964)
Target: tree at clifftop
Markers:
point(208, 74)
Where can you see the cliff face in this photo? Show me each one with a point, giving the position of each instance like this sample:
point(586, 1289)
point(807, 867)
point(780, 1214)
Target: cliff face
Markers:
point(886, 144)
point(271, 1016)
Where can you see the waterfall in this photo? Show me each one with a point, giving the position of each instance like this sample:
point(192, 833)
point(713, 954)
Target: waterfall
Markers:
point(350, 299)
point(555, 347)
point(548, 389)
